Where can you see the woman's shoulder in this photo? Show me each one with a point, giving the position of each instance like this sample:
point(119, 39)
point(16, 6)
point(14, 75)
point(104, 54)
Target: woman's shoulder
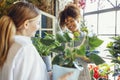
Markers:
point(22, 49)
point(23, 40)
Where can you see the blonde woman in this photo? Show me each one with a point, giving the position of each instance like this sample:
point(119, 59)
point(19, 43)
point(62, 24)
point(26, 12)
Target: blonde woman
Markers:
point(19, 60)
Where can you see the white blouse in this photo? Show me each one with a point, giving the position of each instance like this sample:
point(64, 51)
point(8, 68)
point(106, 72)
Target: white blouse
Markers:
point(23, 62)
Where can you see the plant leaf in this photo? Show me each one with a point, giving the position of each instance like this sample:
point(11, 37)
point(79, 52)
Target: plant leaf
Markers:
point(96, 59)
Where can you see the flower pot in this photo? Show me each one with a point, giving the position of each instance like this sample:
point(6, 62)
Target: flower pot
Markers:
point(59, 71)
point(47, 60)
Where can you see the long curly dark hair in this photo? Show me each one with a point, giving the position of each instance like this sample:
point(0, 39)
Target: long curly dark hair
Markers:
point(70, 10)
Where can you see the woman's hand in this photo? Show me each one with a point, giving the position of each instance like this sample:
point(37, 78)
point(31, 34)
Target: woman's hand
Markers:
point(50, 74)
point(64, 77)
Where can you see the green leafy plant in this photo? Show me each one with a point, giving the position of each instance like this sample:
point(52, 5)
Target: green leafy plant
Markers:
point(67, 56)
point(114, 49)
point(46, 45)
point(71, 53)
point(92, 43)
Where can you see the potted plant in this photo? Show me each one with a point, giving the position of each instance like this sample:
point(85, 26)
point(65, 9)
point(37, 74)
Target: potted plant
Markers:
point(64, 61)
point(45, 46)
point(73, 56)
point(114, 49)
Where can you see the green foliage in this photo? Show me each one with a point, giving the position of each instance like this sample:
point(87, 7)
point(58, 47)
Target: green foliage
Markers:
point(105, 69)
point(45, 45)
point(76, 34)
point(65, 59)
point(60, 38)
point(83, 27)
point(77, 47)
point(68, 38)
point(94, 42)
point(70, 53)
point(91, 74)
point(67, 55)
point(96, 59)
point(114, 49)
point(81, 50)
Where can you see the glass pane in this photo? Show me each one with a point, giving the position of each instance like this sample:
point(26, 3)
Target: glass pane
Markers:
point(103, 52)
point(91, 21)
point(118, 23)
point(106, 23)
point(91, 6)
point(43, 32)
point(104, 4)
point(118, 2)
point(46, 22)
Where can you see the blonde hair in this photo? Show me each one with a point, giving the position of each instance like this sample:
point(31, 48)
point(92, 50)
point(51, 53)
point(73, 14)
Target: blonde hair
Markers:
point(17, 14)
point(7, 30)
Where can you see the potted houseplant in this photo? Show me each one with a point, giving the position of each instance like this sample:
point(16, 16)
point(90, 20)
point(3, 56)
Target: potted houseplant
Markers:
point(72, 55)
point(45, 46)
point(64, 61)
point(114, 49)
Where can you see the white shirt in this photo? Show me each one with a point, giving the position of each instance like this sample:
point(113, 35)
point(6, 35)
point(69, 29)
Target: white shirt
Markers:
point(23, 62)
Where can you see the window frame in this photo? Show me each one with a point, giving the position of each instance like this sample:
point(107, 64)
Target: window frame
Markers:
point(47, 29)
